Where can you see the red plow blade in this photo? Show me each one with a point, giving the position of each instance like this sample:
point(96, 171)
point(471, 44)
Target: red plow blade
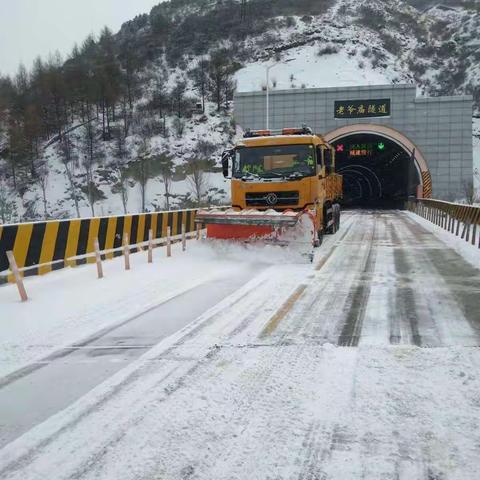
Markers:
point(251, 225)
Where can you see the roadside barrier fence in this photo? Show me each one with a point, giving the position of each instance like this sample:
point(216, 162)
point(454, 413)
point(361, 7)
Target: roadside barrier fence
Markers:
point(41, 247)
point(461, 220)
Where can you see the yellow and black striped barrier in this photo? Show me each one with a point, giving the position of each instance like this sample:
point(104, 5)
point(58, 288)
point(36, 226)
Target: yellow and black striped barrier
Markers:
point(41, 247)
point(427, 184)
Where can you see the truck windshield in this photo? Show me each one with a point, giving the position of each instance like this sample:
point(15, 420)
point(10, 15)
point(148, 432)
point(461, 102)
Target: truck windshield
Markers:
point(275, 161)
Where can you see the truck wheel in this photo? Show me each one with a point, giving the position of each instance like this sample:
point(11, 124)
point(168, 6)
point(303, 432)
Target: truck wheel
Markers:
point(329, 230)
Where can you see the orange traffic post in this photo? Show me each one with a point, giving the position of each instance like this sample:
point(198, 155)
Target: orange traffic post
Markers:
point(98, 258)
point(17, 276)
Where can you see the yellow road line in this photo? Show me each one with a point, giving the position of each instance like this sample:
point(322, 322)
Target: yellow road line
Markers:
point(324, 260)
point(282, 312)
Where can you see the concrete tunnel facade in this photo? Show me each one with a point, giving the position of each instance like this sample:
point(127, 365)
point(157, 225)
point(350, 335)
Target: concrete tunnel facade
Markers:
point(427, 140)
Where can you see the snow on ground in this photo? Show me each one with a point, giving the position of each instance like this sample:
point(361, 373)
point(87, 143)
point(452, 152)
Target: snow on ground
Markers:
point(471, 253)
point(242, 393)
point(68, 305)
point(310, 70)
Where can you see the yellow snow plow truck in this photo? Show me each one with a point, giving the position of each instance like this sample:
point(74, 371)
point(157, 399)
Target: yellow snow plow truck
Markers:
point(283, 187)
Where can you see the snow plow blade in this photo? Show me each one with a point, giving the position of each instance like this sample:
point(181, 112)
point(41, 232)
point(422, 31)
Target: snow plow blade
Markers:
point(267, 226)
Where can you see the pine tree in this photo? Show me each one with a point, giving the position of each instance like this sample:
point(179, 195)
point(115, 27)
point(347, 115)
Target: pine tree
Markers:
point(220, 75)
point(200, 79)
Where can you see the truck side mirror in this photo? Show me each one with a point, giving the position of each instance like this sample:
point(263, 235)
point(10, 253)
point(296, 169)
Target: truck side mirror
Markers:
point(225, 162)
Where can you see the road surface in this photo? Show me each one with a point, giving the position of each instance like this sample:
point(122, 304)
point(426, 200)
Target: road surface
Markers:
point(363, 365)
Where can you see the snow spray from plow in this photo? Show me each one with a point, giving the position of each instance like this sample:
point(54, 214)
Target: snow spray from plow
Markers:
point(287, 228)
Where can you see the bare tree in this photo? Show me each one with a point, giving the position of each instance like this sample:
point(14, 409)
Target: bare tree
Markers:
point(7, 205)
point(92, 154)
point(42, 181)
point(197, 167)
point(144, 168)
point(469, 191)
point(179, 126)
point(200, 80)
point(69, 160)
point(166, 166)
point(197, 178)
point(121, 169)
point(122, 184)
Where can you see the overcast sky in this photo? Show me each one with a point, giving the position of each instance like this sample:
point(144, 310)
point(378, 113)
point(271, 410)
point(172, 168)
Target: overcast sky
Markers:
point(36, 27)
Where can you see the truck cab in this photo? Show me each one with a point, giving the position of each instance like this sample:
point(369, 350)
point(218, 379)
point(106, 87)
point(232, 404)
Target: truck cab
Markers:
point(292, 169)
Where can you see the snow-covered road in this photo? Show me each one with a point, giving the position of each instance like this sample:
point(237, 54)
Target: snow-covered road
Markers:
point(363, 365)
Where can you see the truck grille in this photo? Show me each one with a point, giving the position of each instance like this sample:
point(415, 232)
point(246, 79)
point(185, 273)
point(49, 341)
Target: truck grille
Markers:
point(271, 199)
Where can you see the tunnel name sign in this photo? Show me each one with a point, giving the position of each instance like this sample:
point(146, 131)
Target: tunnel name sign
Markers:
point(362, 108)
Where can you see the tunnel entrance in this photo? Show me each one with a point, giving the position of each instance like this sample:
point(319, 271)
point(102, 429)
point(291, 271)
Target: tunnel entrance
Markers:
point(377, 172)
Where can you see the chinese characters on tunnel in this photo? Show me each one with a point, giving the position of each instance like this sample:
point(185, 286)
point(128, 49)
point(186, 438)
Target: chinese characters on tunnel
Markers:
point(360, 150)
point(362, 108)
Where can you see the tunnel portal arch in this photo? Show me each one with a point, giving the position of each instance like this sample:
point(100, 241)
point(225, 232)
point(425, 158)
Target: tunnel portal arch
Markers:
point(425, 179)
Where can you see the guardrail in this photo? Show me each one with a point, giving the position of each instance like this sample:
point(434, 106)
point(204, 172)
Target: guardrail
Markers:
point(41, 247)
point(16, 274)
point(461, 220)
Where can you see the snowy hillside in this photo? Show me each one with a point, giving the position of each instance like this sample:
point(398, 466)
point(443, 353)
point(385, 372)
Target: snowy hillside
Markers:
point(215, 128)
point(346, 44)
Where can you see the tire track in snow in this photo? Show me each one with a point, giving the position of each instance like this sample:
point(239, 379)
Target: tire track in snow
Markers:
point(302, 297)
point(461, 278)
point(128, 381)
point(358, 299)
point(322, 304)
point(446, 286)
point(405, 306)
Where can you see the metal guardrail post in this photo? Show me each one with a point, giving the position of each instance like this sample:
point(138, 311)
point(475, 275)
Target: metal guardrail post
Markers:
point(17, 276)
point(169, 242)
point(150, 246)
point(98, 259)
point(458, 219)
point(126, 251)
